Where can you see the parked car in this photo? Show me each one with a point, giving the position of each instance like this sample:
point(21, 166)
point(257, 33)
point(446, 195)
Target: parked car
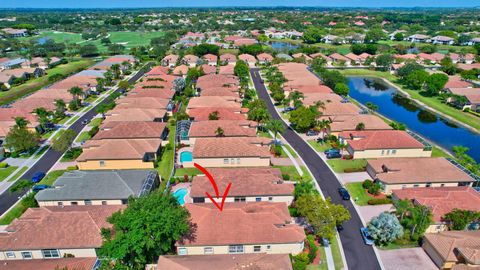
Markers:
point(339, 227)
point(334, 155)
point(37, 188)
point(325, 242)
point(37, 177)
point(331, 150)
point(312, 133)
point(86, 121)
point(366, 236)
point(344, 193)
point(288, 109)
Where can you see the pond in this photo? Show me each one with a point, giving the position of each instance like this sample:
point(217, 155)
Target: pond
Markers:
point(282, 46)
point(428, 125)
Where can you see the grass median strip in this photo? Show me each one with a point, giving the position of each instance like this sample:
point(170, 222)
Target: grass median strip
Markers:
point(18, 174)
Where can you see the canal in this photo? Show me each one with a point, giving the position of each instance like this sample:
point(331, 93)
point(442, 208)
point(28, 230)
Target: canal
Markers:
point(428, 125)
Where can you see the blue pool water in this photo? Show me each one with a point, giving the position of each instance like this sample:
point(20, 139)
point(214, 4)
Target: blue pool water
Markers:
point(186, 156)
point(179, 194)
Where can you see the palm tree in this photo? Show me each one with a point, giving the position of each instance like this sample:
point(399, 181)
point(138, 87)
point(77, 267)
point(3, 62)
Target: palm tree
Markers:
point(213, 116)
point(100, 84)
point(360, 126)
point(21, 122)
point(116, 70)
point(43, 116)
point(296, 97)
point(275, 126)
point(76, 92)
point(320, 105)
point(323, 126)
point(60, 106)
point(219, 132)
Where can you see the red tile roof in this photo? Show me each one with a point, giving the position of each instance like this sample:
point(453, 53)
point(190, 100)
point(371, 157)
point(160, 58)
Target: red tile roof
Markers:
point(456, 82)
point(201, 114)
point(231, 128)
point(126, 149)
point(380, 139)
point(213, 101)
point(132, 102)
point(75, 227)
point(130, 130)
point(231, 147)
point(49, 264)
point(242, 223)
point(442, 200)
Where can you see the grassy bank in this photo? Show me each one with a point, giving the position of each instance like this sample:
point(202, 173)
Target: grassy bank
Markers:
point(421, 96)
point(4, 173)
point(340, 165)
point(38, 83)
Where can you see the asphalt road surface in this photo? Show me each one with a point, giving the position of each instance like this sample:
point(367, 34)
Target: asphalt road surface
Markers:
point(7, 199)
point(358, 255)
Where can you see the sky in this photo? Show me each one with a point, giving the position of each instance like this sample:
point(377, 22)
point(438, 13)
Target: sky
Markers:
point(216, 3)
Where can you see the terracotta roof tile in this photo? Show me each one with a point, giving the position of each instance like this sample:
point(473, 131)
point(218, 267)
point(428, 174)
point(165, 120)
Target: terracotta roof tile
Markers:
point(380, 139)
point(49, 264)
point(223, 147)
point(231, 128)
point(134, 114)
point(130, 130)
point(448, 242)
point(110, 149)
point(202, 114)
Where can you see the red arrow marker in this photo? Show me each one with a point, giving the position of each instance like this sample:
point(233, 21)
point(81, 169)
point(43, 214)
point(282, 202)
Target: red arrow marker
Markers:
point(215, 187)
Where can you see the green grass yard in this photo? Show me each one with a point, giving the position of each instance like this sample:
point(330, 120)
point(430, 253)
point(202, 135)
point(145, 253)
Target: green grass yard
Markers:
point(84, 136)
point(340, 165)
point(37, 83)
point(5, 172)
point(51, 177)
point(319, 147)
point(18, 174)
point(95, 122)
point(165, 165)
point(358, 193)
point(14, 213)
point(187, 171)
point(337, 256)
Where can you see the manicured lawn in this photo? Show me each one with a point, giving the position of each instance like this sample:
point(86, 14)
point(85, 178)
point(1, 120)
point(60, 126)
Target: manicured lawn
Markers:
point(323, 261)
point(358, 193)
point(4, 173)
point(84, 136)
point(337, 256)
point(432, 102)
point(187, 171)
point(43, 150)
point(15, 212)
point(292, 172)
point(340, 165)
point(319, 147)
point(95, 122)
point(36, 84)
point(400, 244)
point(264, 134)
point(59, 36)
point(165, 165)
point(437, 152)
point(64, 120)
point(290, 149)
point(51, 177)
point(18, 174)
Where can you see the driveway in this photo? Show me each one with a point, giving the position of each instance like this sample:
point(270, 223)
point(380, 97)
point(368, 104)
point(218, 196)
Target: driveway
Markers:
point(358, 255)
point(370, 211)
point(407, 259)
point(353, 177)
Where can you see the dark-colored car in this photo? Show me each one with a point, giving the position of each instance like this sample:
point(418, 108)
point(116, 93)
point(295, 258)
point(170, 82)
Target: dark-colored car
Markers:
point(312, 133)
point(37, 177)
point(344, 193)
point(331, 150)
point(37, 188)
point(339, 227)
point(334, 155)
point(367, 238)
point(288, 109)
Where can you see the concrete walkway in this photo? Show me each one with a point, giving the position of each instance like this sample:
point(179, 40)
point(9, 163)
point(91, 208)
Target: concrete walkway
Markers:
point(353, 177)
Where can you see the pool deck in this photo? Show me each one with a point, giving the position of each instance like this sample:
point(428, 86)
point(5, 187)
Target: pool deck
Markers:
point(178, 186)
point(179, 154)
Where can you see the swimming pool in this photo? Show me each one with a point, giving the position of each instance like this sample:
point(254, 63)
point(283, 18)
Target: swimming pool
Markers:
point(179, 194)
point(186, 156)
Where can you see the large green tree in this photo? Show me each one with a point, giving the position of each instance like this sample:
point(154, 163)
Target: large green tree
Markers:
point(63, 142)
point(304, 118)
point(385, 228)
point(19, 138)
point(322, 214)
point(459, 219)
point(436, 82)
point(147, 228)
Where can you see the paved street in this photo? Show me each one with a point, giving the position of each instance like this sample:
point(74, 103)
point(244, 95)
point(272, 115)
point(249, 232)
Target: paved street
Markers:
point(358, 255)
point(7, 199)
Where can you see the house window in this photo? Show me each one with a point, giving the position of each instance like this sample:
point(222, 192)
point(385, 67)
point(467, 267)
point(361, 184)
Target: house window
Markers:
point(10, 254)
point(208, 250)
point(60, 203)
point(257, 248)
point(50, 253)
point(238, 161)
point(124, 201)
point(102, 163)
point(88, 202)
point(225, 161)
point(104, 202)
point(269, 247)
point(383, 152)
point(442, 185)
point(239, 199)
point(416, 185)
point(26, 254)
point(428, 184)
point(182, 251)
point(388, 152)
point(394, 151)
point(235, 249)
point(404, 186)
point(74, 203)
point(258, 199)
point(270, 198)
point(232, 161)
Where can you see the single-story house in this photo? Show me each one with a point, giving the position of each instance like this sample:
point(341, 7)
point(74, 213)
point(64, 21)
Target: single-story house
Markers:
point(341, 123)
point(208, 69)
point(383, 144)
point(136, 114)
point(211, 59)
point(217, 80)
point(119, 154)
point(249, 59)
point(132, 130)
point(54, 232)
point(47, 264)
point(244, 41)
point(181, 70)
point(132, 102)
point(213, 101)
point(442, 40)
point(258, 261)
point(457, 82)
point(12, 63)
point(327, 59)
point(248, 185)
point(157, 71)
point(471, 94)
point(332, 39)
point(228, 59)
point(441, 200)
point(98, 187)
point(418, 38)
point(264, 58)
point(190, 60)
point(14, 33)
point(338, 58)
point(139, 92)
point(231, 152)
point(257, 227)
point(169, 60)
point(451, 249)
point(229, 128)
point(205, 113)
point(400, 173)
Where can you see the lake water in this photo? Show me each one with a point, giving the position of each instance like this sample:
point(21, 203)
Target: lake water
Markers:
point(428, 125)
point(282, 46)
